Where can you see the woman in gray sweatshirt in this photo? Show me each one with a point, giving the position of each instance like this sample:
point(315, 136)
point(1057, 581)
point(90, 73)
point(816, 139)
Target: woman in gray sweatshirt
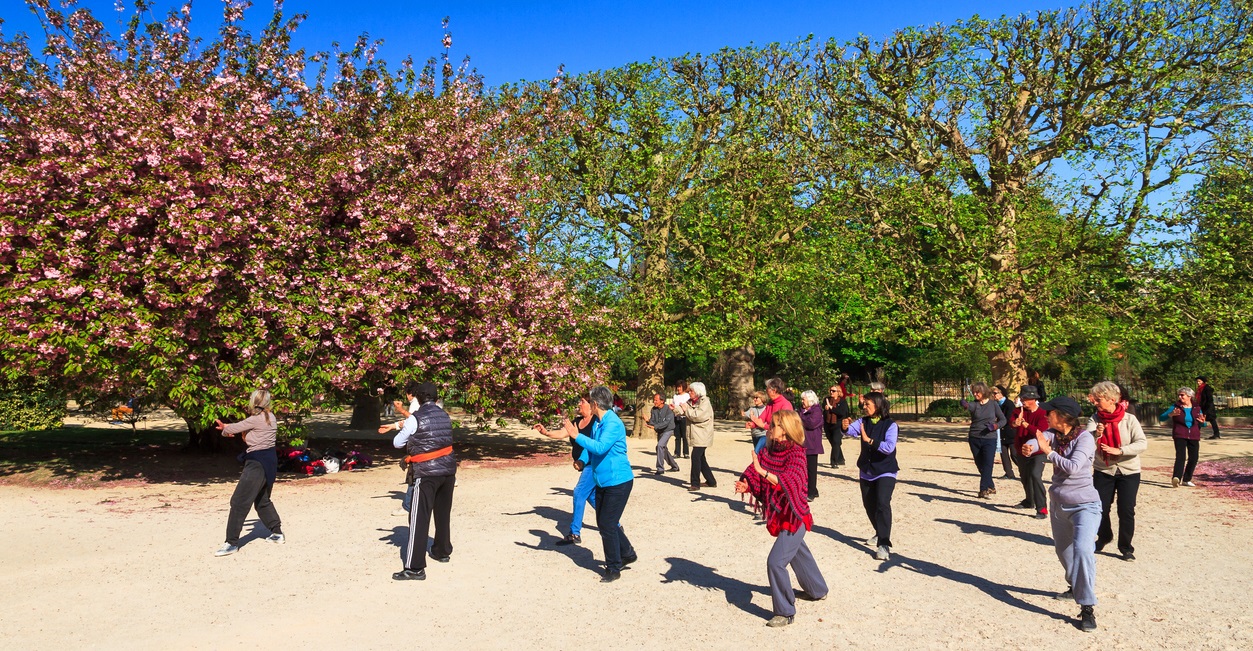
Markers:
point(986, 421)
point(1075, 506)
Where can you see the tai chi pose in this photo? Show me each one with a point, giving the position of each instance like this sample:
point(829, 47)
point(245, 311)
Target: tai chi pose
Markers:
point(986, 421)
point(1120, 441)
point(1185, 419)
point(260, 431)
point(426, 436)
point(1205, 400)
point(777, 482)
point(585, 488)
point(877, 468)
point(699, 412)
point(1005, 444)
point(811, 419)
point(662, 421)
point(1075, 509)
point(607, 457)
point(754, 412)
point(1028, 421)
point(836, 413)
point(681, 448)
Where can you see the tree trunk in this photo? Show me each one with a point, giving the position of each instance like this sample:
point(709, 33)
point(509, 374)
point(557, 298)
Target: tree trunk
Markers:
point(650, 378)
point(737, 364)
point(1009, 367)
point(367, 411)
point(207, 440)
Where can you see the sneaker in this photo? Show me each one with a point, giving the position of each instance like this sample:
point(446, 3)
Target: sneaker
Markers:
point(410, 575)
point(1025, 504)
point(1189, 484)
point(674, 469)
point(882, 554)
point(611, 576)
point(571, 539)
point(226, 550)
point(1044, 511)
point(693, 488)
point(1068, 595)
point(805, 596)
point(1128, 556)
point(1211, 438)
point(873, 541)
point(441, 559)
point(399, 512)
point(1042, 514)
point(276, 538)
point(1174, 482)
point(1087, 619)
point(779, 621)
point(627, 560)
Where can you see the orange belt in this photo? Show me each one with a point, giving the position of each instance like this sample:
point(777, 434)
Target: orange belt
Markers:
point(427, 456)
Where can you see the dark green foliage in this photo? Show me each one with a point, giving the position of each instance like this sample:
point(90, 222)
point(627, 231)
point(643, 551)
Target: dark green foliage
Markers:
point(30, 404)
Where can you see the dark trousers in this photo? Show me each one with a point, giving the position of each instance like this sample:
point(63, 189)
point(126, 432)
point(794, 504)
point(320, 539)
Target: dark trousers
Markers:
point(1031, 472)
point(431, 496)
point(701, 467)
point(835, 437)
point(876, 497)
point(1124, 489)
point(984, 452)
point(613, 501)
point(1212, 419)
point(811, 460)
point(680, 437)
point(1190, 450)
point(251, 491)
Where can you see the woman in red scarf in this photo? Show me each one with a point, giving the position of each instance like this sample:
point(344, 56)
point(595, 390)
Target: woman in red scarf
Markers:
point(1119, 443)
point(778, 482)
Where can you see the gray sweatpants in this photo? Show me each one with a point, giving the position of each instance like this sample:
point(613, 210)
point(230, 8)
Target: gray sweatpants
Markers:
point(1074, 536)
point(790, 549)
point(663, 451)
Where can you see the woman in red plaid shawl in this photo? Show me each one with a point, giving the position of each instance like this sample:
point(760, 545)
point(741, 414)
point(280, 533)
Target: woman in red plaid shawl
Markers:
point(778, 483)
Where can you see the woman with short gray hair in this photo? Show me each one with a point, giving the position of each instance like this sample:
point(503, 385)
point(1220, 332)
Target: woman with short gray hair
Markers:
point(811, 419)
point(1120, 441)
point(1185, 418)
point(700, 425)
point(260, 430)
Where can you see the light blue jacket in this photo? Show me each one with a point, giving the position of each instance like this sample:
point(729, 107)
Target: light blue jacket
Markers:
point(607, 451)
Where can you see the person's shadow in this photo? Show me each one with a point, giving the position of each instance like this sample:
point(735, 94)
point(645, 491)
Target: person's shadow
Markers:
point(737, 593)
point(1006, 594)
point(1000, 532)
point(578, 554)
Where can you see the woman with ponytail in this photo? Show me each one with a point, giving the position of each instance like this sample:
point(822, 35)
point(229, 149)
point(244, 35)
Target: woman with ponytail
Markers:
point(260, 431)
point(777, 483)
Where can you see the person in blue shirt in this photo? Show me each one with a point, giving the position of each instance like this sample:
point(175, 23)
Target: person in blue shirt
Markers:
point(584, 490)
point(606, 451)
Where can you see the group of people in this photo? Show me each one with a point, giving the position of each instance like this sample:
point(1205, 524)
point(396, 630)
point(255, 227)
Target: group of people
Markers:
point(1094, 469)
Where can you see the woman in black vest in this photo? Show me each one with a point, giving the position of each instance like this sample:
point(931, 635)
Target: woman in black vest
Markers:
point(836, 411)
point(1185, 418)
point(878, 468)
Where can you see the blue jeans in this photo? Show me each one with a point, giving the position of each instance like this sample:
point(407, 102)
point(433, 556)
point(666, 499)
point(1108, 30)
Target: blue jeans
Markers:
point(584, 493)
point(1074, 536)
point(984, 452)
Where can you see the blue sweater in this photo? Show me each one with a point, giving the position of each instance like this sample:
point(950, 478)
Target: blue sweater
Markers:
point(607, 451)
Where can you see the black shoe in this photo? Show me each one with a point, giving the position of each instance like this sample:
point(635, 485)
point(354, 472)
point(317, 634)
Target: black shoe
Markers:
point(1025, 504)
point(627, 560)
point(1041, 515)
point(611, 576)
point(710, 484)
point(410, 575)
point(1211, 438)
point(570, 539)
point(441, 559)
point(1128, 556)
point(805, 596)
point(674, 469)
point(1087, 619)
point(1100, 545)
point(1068, 595)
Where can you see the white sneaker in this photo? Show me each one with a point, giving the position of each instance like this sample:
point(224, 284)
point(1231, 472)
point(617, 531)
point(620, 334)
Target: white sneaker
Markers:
point(400, 512)
point(873, 541)
point(226, 550)
point(276, 538)
point(1189, 484)
point(882, 554)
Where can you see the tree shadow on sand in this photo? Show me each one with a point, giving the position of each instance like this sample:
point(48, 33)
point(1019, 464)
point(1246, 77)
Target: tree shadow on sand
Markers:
point(736, 592)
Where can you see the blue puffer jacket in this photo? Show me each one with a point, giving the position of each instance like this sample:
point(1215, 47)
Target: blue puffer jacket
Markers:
point(434, 432)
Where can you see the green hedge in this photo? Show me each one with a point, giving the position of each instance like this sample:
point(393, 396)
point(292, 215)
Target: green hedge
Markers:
point(30, 404)
point(947, 408)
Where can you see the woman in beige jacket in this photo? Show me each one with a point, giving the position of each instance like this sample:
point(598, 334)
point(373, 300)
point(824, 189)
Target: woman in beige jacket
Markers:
point(1119, 441)
point(700, 431)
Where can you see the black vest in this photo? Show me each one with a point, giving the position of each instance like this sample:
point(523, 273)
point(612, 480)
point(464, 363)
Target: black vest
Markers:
point(872, 461)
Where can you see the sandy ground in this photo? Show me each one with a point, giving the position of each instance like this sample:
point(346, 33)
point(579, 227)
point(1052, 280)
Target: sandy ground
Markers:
point(132, 566)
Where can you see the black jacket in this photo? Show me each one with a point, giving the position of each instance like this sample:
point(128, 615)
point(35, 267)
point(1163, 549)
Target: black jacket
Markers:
point(433, 433)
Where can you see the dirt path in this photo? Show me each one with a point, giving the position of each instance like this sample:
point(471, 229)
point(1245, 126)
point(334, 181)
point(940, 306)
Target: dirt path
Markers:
point(131, 566)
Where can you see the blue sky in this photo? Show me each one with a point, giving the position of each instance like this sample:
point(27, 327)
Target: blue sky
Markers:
point(510, 41)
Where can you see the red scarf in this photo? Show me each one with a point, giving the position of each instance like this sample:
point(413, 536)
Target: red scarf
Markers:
point(783, 506)
point(1111, 437)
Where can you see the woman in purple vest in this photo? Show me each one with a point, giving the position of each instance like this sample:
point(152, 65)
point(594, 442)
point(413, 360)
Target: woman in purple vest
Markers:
point(811, 418)
point(1185, 418)
point(878, 468)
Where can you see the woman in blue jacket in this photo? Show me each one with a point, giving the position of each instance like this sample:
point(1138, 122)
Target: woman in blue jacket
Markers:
point(607, 457)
